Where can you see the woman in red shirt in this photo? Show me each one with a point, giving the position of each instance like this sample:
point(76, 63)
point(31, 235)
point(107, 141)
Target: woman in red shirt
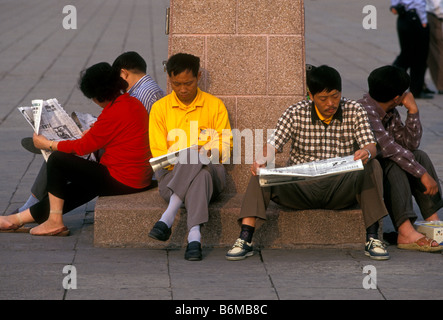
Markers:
point(121, 131)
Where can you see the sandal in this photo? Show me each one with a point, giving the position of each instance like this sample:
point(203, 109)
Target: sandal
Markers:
point(14, 228)
point(424, 244)
point(60, 232)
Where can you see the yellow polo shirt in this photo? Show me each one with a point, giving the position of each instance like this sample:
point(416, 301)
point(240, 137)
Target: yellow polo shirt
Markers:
point(174, 126)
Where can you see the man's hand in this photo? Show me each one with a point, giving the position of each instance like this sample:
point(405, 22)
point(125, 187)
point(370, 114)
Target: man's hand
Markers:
point(430, 184)
point(409, 103)
point(363, 155)
point(366, 153)
point(256, 166)
point(267, 156)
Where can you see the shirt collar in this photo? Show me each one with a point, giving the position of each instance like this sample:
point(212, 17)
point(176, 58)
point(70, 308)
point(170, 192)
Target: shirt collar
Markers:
point(198, 101)
point(139, 83)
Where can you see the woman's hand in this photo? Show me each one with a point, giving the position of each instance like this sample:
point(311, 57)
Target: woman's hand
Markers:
point(40, 142)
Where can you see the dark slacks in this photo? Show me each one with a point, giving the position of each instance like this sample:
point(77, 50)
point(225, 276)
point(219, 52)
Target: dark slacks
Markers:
point(400, 187)
point(196, 184)
point(334, 193)
point(77, 181)
point(414, 46)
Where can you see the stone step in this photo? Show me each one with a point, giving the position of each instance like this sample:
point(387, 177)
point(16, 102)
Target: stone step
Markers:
point(124, 221)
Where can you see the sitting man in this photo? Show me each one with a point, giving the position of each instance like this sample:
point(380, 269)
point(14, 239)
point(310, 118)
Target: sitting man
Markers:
point(132, 68)
point(186, 117)
point(407, 171)
point(325, 127)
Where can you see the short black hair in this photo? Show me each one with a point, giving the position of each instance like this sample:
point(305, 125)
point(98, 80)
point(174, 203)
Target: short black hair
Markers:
point(387, 82)
point(181, 62)
point(102, 82)
point(131, 61)
point(323, 78)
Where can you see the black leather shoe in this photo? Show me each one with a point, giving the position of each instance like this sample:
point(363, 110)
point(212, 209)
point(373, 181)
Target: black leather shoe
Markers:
point(160, 231)
point(28, 144)
point(193, 251)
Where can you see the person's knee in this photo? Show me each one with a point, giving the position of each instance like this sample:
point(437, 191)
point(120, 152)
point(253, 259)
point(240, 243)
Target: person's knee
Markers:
point(421, 156)
point(55, 158)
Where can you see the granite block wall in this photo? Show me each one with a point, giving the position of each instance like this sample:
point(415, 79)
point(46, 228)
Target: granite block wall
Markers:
point(253, 57)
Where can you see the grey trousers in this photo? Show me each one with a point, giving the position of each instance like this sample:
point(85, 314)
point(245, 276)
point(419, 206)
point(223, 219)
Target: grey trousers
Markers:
point(195, 184)
point(334, 193)
point(400, 187)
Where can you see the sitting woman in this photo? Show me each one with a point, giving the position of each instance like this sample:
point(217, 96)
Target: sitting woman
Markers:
point(121, 131)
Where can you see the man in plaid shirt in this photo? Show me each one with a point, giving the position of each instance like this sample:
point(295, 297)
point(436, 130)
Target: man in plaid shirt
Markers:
point(407, 170)
point(325, 127)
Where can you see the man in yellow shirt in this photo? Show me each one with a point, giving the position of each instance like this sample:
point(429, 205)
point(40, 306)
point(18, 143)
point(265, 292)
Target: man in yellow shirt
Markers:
point(187, 117)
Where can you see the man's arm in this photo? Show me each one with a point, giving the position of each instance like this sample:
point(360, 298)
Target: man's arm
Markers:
point(408, 135)
point(366, 153)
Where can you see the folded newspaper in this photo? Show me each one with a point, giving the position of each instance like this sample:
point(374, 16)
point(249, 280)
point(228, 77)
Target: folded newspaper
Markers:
point(48, 118)
point(168, 159)
point(310, 170)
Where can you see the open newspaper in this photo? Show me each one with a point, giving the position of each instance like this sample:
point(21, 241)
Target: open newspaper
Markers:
point(48, 118)
point(168, 159)
point(310, 170)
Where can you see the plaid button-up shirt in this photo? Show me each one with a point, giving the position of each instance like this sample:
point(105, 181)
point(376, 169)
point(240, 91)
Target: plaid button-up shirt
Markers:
point(395, 139)
point(313, 140)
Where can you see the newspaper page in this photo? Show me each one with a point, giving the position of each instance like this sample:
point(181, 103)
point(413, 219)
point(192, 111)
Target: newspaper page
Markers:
point(49, 119)
point(310, 170)
point(83, 120)
point(168, 159)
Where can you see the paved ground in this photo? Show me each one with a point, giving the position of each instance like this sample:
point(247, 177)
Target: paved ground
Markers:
point(40, 59)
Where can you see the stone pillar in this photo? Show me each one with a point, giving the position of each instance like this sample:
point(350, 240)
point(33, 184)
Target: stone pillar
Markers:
point(252, 56)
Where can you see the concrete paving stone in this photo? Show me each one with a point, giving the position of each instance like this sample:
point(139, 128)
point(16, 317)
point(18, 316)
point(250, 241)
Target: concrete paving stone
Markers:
point(328, 294)
point(39, 57)
point(430, 293)
point(121, 293)
point(217, 292)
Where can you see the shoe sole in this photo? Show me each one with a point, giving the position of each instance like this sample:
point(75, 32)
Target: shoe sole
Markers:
point(62, 232)
point(237, 258)
point(193, 258)
point(377, 257)
point(154, 236)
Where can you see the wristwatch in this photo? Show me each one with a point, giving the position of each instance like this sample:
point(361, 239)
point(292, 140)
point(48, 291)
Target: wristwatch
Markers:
point(369, 154)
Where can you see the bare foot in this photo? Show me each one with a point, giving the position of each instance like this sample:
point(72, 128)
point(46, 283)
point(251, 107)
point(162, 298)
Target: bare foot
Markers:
point(9, 222)
point(407, 233)
point(434, 217)
point(47, 227)
point(410, 237)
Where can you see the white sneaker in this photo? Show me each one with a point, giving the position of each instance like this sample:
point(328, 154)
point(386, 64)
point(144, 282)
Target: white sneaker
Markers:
point(240, 250)
point(375, 249)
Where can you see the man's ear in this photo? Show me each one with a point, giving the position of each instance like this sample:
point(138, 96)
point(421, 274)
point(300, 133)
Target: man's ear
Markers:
point(124, 74)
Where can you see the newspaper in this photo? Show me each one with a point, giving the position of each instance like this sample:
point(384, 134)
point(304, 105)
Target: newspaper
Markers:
point(48, 118)
point(83, 120)
point(168, 159)
point(310, 170)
